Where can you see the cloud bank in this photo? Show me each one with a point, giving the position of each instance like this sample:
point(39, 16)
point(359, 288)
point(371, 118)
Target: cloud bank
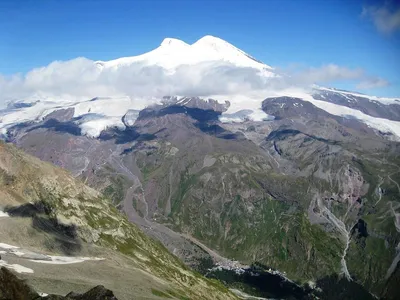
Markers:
point(386, 18)
point(81, 79)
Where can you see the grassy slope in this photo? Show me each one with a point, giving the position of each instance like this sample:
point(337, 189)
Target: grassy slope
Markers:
point(271, 226)
point(24, 178)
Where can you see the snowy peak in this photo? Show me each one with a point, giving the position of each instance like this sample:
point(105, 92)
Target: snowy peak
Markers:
point(173, 53)
point(217, 44)
point(229, 52)
point(171, 42)
point(214, 43)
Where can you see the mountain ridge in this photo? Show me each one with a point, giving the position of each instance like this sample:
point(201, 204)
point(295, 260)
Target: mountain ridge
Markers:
point(174, 63)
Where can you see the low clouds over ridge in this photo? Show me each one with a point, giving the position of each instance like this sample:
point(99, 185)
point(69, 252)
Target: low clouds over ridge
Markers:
point(82, 78)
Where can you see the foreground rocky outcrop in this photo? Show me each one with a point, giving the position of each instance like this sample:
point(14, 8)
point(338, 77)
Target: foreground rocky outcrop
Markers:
point(13, 288)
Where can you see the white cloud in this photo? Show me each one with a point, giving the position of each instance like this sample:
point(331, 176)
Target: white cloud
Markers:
point(332, 73)
point(81, 78)
point(372, 83)
point(325, 74)
point(386, 17)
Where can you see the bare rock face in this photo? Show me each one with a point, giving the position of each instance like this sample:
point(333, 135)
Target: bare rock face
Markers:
point(196, 102)
point(210, 104)
point(13, 288)
point(97, 293)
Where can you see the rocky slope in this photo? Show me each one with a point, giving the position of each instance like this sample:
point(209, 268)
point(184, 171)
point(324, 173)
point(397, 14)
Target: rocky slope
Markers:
point(309, 193)
point(47, 213)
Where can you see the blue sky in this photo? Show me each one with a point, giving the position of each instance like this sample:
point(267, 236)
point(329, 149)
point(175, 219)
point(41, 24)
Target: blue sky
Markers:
point(281, 33)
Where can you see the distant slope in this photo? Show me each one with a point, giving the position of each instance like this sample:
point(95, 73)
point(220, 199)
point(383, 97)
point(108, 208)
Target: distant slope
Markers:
point(52, 213)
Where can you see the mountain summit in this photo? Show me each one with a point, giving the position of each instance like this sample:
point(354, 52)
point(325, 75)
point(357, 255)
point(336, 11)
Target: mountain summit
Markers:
point(173, 53)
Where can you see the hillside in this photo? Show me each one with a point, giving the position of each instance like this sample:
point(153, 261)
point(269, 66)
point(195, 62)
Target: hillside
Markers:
point(62, 235)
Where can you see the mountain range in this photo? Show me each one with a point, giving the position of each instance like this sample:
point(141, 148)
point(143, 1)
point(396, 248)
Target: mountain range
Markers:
point(225, 161)
point(209, 68)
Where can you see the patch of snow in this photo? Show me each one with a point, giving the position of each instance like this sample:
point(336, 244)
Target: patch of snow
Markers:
point(17, 268)
point(243, 108)
point(182, 100)
point(259, 115)
point(130, 117)
point(49, 259)
point(64, 260)
point(3, 214)
point(245, 115)
point(17, 253)
point(243, 295)
point(93, 128)
point(7, 246)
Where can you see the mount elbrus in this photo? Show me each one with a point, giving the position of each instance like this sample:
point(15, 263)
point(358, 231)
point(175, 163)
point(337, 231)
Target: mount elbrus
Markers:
point(303, 180)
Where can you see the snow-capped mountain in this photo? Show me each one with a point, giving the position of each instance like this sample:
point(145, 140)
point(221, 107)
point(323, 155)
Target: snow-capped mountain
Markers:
point(102, 92)
point(173, 53)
